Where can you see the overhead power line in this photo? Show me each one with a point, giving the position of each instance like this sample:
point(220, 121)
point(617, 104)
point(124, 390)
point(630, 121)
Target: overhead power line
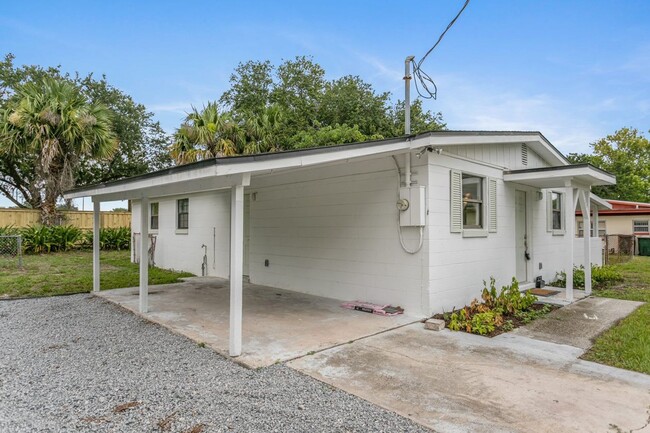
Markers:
point(429, 90)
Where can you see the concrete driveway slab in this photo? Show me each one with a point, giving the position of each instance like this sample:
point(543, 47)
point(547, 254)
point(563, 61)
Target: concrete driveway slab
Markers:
point(279, 325)
point(456, 382)
point(580, 323)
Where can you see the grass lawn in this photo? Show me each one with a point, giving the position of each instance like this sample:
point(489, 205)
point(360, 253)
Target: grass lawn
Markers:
point(72, 272)
point(627, 345)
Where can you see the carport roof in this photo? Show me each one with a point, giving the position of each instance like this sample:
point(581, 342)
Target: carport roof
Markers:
point(223, 172)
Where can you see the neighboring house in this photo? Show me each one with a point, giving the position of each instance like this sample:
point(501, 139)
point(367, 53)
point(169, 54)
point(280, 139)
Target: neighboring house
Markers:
point(624, 218)
point(418, 221)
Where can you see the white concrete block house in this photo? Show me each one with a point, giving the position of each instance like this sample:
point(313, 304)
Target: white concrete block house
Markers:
point(327, 221)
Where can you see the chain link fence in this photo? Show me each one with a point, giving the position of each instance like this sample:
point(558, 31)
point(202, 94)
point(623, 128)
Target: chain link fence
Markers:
point(11, 250)
point(619, 248)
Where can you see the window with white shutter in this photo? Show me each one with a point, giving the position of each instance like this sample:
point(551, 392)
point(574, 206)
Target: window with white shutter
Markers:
point(456, 202)
point(469, 200)
point(492, 205)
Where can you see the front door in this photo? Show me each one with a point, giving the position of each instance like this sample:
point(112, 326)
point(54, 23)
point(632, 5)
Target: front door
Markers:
point(521, 236)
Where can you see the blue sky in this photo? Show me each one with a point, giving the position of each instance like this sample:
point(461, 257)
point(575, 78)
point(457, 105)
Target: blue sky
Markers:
point(574, 70)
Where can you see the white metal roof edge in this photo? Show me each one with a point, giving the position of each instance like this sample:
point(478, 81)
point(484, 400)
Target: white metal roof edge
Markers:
point(235, 166)
point(533, 139)
point(236, 169)
point(561, 172)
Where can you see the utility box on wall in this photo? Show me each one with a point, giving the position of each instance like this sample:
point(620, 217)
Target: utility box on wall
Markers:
point(415, 214)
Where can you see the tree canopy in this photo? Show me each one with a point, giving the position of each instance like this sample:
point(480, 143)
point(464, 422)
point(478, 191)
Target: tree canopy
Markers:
point(47, 126)
point(291, 106)
point(626, 154)
point(142, 143)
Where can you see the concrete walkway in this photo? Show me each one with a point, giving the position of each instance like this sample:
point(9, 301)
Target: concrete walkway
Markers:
point(457, 382)
point(580, 323)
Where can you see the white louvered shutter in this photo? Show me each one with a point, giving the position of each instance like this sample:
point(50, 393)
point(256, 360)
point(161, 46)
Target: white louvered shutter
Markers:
point(456, 202)
point(492, 205)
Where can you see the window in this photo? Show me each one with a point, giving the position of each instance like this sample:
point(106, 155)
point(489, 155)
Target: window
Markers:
point(153, 216)
point(602, 228)
point(556, 211)
point(640, 226)
point(183, 213)
point(472, 202)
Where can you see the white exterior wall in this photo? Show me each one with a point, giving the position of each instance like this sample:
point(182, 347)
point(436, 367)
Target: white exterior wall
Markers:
point(502, 155)
point(332, 231)
point(174, 250)
point(459, 265)
point(329, 231)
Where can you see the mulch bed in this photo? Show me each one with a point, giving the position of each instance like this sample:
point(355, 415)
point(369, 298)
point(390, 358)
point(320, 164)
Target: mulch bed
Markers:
point(516, 322)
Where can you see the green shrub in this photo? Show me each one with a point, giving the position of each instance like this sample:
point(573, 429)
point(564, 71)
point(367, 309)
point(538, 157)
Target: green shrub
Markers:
point(484, 318)
point(65, 237)
point(484, 323)
point(9, 230)
point(45, 239)
point(601, 276)
point(36, 239)
point(509, 300)
point(115, 238)
point(118, 238)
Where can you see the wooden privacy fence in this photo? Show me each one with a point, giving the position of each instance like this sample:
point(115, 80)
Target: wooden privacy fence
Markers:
point(83, 219)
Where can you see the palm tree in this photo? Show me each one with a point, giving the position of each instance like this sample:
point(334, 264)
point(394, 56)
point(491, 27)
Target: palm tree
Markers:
point(264, 130)
point(51, 120)
point(207, 133)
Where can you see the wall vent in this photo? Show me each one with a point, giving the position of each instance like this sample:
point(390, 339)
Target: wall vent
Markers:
point(524, 154)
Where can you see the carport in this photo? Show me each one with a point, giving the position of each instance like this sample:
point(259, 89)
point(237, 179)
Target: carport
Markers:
point(231, 174)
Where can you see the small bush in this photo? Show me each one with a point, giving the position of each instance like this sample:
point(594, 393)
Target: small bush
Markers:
point(9, 230)
point(45, 239)
point(601, 276)
point(118, 238)
point(492, 314)
point(37, 239)
point(65, 237)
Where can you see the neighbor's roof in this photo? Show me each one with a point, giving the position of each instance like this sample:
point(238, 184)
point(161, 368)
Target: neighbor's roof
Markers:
point(222, 172)
point(622, 207)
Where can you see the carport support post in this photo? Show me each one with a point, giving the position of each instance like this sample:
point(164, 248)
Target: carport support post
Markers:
point(586, 226)
point(96, 236)
point(144, 255)
point(570, 235)
point(236, 267)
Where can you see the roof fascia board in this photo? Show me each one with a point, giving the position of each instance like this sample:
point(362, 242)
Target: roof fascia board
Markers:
point(559, 173)
point(600, 202)
point(537, 141)
point(309, 160)
point(146, 188)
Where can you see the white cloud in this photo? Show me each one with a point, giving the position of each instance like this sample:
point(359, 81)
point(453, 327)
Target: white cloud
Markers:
point(570, 126)
point(171, 107)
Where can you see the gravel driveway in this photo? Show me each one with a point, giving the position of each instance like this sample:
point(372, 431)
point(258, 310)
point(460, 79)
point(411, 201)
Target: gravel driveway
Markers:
point(78, 363)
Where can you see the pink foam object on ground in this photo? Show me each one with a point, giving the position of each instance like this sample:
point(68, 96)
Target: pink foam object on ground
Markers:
point(379, 309)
